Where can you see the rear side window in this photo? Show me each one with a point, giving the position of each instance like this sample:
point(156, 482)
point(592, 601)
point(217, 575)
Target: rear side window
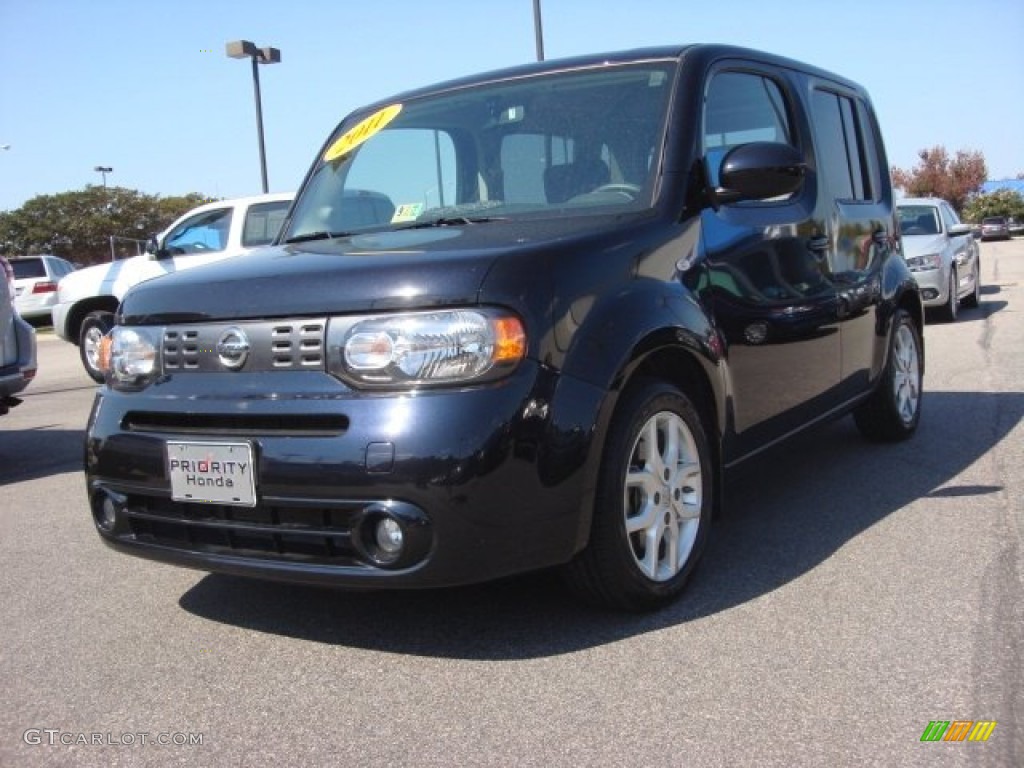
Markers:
point(742, 107)
point(262, 223)
point(844, 146)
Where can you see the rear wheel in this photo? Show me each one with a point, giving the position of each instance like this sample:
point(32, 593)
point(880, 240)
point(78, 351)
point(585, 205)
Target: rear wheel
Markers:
point(653, 506)
point(894, 409)
point(95, 326)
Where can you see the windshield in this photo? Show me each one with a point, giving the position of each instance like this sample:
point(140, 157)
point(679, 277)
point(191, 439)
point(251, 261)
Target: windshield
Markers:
point(550, 145)
point(918, 219)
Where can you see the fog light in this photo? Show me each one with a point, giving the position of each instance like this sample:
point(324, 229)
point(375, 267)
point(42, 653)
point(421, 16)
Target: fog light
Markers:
point(389, 537)
point(105, 508)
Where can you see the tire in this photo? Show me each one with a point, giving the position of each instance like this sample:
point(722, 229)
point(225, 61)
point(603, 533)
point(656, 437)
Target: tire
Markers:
point(949, 309)
point(652, 513)
point(95, 326)
point(894, 409)
point(974, 299)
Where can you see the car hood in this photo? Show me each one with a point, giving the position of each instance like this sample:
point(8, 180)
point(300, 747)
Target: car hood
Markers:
point(98, 279)
point(921, 245)
point(369, 272)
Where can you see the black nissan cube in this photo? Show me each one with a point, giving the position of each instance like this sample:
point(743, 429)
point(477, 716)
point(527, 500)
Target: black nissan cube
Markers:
point(520, 320)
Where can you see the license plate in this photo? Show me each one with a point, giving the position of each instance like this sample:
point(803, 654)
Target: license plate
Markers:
point(218, 473)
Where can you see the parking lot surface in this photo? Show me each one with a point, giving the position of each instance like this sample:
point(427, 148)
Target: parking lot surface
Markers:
point(851, 594)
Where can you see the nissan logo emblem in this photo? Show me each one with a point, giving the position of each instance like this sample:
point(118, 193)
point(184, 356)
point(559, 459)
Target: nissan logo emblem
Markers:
point(233, 348)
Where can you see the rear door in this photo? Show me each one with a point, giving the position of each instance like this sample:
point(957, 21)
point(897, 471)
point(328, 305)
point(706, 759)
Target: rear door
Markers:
point(856, 221)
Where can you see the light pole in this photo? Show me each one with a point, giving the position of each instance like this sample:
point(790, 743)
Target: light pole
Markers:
point(538, 31)
point(104, 169)
point(239, 49)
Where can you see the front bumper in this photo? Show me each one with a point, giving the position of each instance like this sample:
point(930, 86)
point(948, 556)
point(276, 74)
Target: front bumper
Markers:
point(36, 305)
point(485, 481)
point(59, 313)
point(934, 285)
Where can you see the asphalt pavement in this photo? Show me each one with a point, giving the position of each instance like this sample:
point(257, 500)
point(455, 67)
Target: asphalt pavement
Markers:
point(851, 594)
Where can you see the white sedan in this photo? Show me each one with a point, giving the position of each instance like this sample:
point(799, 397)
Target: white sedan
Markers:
point(942, 253)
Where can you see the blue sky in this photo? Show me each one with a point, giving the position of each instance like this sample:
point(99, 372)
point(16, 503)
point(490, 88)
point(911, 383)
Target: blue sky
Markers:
point(144, 86)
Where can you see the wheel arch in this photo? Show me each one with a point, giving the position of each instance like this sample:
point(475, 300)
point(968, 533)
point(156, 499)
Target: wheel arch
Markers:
point(83, 308)
point(664, 356)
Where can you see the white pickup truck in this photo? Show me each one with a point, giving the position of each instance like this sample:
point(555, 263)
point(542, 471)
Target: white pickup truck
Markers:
point(87, 299)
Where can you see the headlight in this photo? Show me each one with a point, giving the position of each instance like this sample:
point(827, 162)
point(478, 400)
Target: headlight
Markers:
point(130, 359)
point(423, 348)
point(926, 262)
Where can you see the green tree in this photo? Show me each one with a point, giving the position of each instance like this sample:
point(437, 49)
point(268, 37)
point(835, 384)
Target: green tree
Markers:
point(1002, 202)
point(936, 175)
point(79, 225)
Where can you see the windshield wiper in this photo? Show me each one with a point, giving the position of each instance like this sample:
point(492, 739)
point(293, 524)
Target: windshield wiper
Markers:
point(454, 221)
point(321, 234)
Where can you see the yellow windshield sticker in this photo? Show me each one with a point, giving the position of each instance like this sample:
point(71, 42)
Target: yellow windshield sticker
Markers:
point(407, 212)
point(353, 137)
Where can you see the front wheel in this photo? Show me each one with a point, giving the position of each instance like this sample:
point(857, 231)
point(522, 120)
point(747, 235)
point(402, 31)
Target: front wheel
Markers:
point(949, 309)
point(653, 505)
point(974, 299)
point(894, 409)
point(95, 326)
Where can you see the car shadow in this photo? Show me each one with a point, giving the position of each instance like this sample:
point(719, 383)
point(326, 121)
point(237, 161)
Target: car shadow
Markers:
point(29, 454)
point(984, 310)
point(785, 513)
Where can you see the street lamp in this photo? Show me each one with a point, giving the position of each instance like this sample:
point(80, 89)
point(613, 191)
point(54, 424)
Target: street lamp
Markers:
point(104, 169)
point(239, 49)
point(538, 30)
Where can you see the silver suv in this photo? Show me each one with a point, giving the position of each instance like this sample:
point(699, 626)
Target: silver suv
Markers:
point(17, 344)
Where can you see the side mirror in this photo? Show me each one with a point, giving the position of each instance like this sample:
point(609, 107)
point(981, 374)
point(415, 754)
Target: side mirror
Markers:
point(958, 230)
point(760, 170)
point(154, 250)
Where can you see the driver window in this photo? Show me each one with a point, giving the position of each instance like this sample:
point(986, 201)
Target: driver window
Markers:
point(742, 107)
point(203, 233)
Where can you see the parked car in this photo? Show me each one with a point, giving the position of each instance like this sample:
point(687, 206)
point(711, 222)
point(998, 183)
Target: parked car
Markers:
point(35, 284)
point(17, 344)
point(942, 253)
point(1015, 227)
point(566, 298)
point(88, 299)
point(995, 228)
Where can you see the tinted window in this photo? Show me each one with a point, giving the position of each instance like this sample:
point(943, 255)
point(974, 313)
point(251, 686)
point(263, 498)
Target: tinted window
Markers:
point(841, 143)
point(28, 268)
point(263, 222)
point(740, 108)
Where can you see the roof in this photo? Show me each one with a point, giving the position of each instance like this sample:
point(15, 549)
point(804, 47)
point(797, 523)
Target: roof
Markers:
point(700, 53)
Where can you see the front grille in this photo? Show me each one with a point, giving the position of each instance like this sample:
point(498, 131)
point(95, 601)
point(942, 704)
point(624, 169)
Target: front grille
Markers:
point(296, 344)
point(294, 534)
point(181, 349)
